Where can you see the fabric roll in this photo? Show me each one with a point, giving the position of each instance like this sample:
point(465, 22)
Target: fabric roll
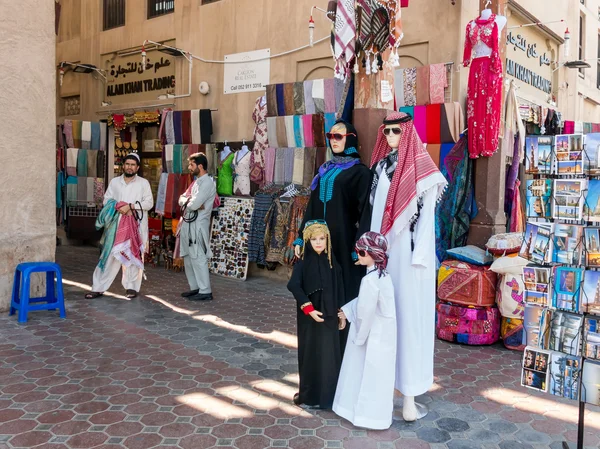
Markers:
point(329, 88)
point(410, 86)
point(103, 132)
point(176, 158)
point(309, 102)
point(281, 132)
point(279, 173)
point(444, 151)
point(308, 166)
point(307, 130)
point(298, 171)
point(318, 93)
point(86, 135)
point(92, 163)
point(72, 191)
point(338, 90)
point(433, 123)
point(280, 100)
point(288, 98)
point(177, 127)
point(72, 161)
point(330, 120)
point(289, 131)
point(186, 127)
point(161, 195)
point(272, 132)
point(95, 135)
point(68, 131)
point(423, 85)
point(100, 163)
point(410, 110)
point(82, 163)
point(206, 126)
point(271, 100)
point(437, 83)
point(298, 131)
point(76, 133)
point(169, 128)
point(269, 164)
point(318, 130)
point(434, 151)
point(288, 163)
point(420, 120)
point(90, 190)
point(399, 87)
point(299, 108)
point(320, 158)
point(195, 125)
point(81, 190)
point(169, 158)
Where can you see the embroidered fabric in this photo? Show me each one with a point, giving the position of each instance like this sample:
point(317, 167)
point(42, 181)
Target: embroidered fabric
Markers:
point(484, 32)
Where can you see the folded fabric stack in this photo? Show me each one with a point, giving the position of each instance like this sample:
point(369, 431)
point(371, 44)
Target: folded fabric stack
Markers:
point(421, 85)
point(170, 188)
point(85, 135)
point(85, 191)
point(186, 127)
point(308, 97)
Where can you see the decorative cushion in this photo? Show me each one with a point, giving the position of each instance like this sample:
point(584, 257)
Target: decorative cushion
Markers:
point(471, 254)
point(511, 331)
point(466, 284)
point(467, 325)
point(502, 244)
point(512, 264)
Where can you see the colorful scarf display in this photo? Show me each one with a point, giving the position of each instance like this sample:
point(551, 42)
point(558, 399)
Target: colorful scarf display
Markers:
point(108, 219)
point(437, 83)
point(128, 246)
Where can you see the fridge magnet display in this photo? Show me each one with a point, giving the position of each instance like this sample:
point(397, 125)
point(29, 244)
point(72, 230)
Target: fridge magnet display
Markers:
point(535, 369)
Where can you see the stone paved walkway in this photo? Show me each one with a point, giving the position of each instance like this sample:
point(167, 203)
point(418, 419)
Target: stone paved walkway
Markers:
point(162, 372)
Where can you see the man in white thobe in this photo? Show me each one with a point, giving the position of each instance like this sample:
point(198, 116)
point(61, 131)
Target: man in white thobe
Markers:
point(194, 235)
point(136, 192)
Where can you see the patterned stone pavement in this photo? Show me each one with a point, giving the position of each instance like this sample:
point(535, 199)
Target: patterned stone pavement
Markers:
point(162, 372)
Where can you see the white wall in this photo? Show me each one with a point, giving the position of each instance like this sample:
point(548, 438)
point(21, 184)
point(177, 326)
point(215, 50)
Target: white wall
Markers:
point(27, 143)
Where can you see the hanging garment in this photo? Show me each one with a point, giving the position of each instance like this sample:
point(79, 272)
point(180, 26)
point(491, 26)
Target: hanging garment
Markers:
point(484, 94)
point(318, 93)
point(288, 163)
point(169, 128)
point(437, 83)
point(298, 132)
point(162, 194)
point(68, 131)
point(308, 166)
point(279, 174)
point(206, 126)
point(186, 127)
point(86, 135)
point(319, 130)
point(344, 37)
point(423, 85)
point(103, 131)
point(271, 94)
point(329, 88)
point(241, 181)
point(288, 98)
point(281, 131)
point(225, 176)
point(256, 237)
point(169, 150)
point(420, 122)
point(307, 130)
point(76, 133)
point(177, 126)
point(309, 102)
point(195, 125)
point(261, 142)
point(513, 125)
point(289, 131)
point(176, 157)
point(72, 191)
point(410, 87)
point(298, 206)
point(280, 100)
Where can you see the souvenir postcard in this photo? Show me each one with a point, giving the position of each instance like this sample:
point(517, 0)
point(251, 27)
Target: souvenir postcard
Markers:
point(590, 383)
point(531, 323)
point(591, 338)
point(537, 244)
point(591, 292)
point(568, 245)
point(565, 373)
point(538, 156)
point(591, 154)
point(591, 209)
point(566, 290)
point(569, 154)
point(567, 143)
point(538, 196)
point(592, 247)
point(568, 199)
point(536, 368)
point(537, 285)
point(561, 331)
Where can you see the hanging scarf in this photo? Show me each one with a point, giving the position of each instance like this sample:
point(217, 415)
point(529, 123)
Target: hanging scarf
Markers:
point(415, 174)
point(108, 218)
point(128, 246)
point(344, 37)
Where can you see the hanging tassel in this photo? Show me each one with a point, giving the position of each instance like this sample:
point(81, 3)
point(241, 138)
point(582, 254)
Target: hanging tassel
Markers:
point(356, 69)
point(380, 61)
point(368, 68)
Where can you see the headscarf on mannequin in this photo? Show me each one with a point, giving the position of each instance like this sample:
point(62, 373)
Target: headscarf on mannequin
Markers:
point(415, 173)
point(375, 245)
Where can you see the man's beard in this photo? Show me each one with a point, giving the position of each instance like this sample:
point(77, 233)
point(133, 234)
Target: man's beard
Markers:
point(129, 175)
point(196, 172)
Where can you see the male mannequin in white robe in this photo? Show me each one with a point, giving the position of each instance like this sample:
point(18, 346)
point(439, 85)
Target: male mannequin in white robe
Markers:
point(194, 235)
point(412, 259)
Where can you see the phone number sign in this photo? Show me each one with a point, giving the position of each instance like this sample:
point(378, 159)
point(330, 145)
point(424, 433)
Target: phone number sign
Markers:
point(247, 72)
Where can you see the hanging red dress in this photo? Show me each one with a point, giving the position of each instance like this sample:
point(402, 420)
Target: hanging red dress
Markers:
point(484, 93)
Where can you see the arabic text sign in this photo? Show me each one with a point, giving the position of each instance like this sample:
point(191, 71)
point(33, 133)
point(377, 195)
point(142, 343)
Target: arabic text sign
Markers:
point(251, 71)
point(127, 81)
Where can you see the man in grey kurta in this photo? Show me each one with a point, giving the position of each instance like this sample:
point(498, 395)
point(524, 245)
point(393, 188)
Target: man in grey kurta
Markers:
point(194, 234)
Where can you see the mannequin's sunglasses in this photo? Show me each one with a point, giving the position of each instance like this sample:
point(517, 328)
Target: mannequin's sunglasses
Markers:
point(338, 136)
point(388, 131)
point(361, 252)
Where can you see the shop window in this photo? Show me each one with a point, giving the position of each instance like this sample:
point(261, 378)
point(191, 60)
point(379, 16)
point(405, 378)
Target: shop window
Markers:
point(581, 43)
point(158, 8)
point(71, 105)
point(113, 14)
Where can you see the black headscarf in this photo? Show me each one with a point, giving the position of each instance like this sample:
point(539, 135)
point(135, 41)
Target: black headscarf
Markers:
point(351, 141)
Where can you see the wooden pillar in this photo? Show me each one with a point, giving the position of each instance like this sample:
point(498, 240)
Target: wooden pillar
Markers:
point(490, 173)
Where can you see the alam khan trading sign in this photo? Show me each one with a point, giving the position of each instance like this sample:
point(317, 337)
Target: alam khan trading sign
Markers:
point(128, 81)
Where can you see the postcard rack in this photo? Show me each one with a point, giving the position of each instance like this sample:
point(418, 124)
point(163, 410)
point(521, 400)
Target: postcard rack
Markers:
point(562, 282)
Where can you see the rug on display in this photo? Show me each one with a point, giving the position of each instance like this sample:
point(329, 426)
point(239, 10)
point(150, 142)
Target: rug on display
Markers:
point(229, 238)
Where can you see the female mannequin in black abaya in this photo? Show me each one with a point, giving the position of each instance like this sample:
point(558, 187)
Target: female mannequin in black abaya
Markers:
point(340, 196)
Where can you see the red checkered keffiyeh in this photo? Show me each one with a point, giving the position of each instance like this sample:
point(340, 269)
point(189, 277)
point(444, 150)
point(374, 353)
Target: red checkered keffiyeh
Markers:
point(415, 174)
point(128, 246)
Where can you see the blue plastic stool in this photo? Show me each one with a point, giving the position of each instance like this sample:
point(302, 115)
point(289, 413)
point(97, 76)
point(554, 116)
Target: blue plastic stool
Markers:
point(54, 298)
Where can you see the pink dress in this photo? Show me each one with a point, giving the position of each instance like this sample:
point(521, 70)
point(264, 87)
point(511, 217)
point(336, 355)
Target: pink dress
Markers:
point(484, 94)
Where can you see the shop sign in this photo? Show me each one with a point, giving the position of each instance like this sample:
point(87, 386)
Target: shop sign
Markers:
point(128, 81)
point(247, 72)
point(527, 76)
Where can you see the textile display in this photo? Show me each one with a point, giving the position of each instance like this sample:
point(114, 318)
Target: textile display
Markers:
point(298, 131)
point(128, 245)
point(92, 163)
point(256, 238)
point(485, 75)
point(437, 83)
point(186, 127)
point(84, 191)
point(261, 142)
point(77, 133)
point(420, 122)
point(289, 131)
point(68, 131)
point(288, 98)
point(344, 38)
point(300, 98)
point(241, 181)
point(466, 284)
point(511, 332)
point(423, 94)
point(410, 86)
point(229, 238)
point(468, 326)
point(433, 114)
point(86, 135)
point(72, 158)
point(281, 131)
point(270, 164)
point(82, 166)
point(437, 123)
point(272, 132)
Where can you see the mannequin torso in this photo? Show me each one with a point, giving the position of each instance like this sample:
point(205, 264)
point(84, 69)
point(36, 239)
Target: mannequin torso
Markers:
point(481, 50)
